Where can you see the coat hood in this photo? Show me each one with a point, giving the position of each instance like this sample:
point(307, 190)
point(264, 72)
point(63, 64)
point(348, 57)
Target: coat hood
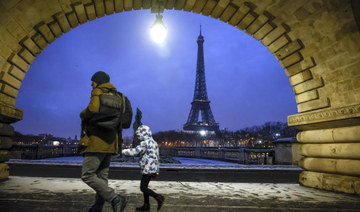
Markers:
point(144, 133)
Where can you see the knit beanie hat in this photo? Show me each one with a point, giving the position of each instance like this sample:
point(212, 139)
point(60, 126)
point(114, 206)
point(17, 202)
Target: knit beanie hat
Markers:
point(100, 77)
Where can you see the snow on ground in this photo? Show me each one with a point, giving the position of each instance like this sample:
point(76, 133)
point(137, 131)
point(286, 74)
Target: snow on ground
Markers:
point(186, 163)
point(264, 191)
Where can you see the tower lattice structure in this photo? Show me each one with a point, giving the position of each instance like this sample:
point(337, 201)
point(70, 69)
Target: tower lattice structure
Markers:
point(200, 103)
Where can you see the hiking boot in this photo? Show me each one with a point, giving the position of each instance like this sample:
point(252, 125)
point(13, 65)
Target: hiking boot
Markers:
point(145, 207)
point(118, 203)
point(98, 205)
point(160, 200)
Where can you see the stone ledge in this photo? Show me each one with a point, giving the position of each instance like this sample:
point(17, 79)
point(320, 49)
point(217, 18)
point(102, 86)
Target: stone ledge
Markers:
point(10, 114)
point(326, 118)
point(331, 182)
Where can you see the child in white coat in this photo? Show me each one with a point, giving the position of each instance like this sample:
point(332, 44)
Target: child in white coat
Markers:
point(148, 150)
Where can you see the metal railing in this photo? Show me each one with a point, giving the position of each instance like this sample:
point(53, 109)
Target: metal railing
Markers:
point(35, 151)
point(239, 155)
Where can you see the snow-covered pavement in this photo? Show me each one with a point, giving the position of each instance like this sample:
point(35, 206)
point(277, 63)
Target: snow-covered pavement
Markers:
point(69, 194)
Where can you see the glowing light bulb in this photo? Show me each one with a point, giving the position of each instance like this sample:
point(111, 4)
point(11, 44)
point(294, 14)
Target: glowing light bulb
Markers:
point(158, 31)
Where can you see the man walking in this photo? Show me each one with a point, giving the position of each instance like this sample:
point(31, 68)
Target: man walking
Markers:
point(102, 123)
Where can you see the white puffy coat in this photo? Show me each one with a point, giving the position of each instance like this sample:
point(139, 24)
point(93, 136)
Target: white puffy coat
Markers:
point(148, 150)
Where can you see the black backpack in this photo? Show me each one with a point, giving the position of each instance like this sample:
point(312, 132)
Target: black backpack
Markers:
point(111, 112)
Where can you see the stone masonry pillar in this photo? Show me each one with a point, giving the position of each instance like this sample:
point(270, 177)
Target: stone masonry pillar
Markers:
point(330, 145)
point(8, 114)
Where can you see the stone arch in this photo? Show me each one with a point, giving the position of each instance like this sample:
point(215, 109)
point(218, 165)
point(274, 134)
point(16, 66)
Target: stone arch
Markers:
point(315, 42)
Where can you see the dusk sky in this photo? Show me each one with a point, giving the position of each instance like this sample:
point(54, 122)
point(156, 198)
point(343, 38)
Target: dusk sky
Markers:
point(246, 84)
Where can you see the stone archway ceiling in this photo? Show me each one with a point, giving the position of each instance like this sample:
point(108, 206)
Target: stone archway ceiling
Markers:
point(246, 16)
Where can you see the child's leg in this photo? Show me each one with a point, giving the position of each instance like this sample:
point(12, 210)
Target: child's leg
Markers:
point(145, 180)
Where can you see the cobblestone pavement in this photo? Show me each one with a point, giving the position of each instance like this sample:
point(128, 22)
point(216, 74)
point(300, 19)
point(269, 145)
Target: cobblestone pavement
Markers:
point(71, 194)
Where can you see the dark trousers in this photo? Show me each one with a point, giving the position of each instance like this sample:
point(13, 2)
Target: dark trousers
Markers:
point(145, 180)
point(95, 173)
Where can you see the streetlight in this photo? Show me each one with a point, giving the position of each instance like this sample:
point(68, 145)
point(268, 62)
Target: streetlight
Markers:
point(158, 30)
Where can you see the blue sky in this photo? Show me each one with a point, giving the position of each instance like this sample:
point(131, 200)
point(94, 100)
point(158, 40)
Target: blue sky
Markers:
point(246, 84)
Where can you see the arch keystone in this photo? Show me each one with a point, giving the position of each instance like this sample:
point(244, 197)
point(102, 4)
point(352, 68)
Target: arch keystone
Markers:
point(199, 5)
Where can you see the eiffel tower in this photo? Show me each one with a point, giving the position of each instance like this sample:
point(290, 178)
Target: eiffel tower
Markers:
point(200, 101)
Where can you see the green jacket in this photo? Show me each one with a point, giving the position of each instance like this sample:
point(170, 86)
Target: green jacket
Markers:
point(95, 139)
